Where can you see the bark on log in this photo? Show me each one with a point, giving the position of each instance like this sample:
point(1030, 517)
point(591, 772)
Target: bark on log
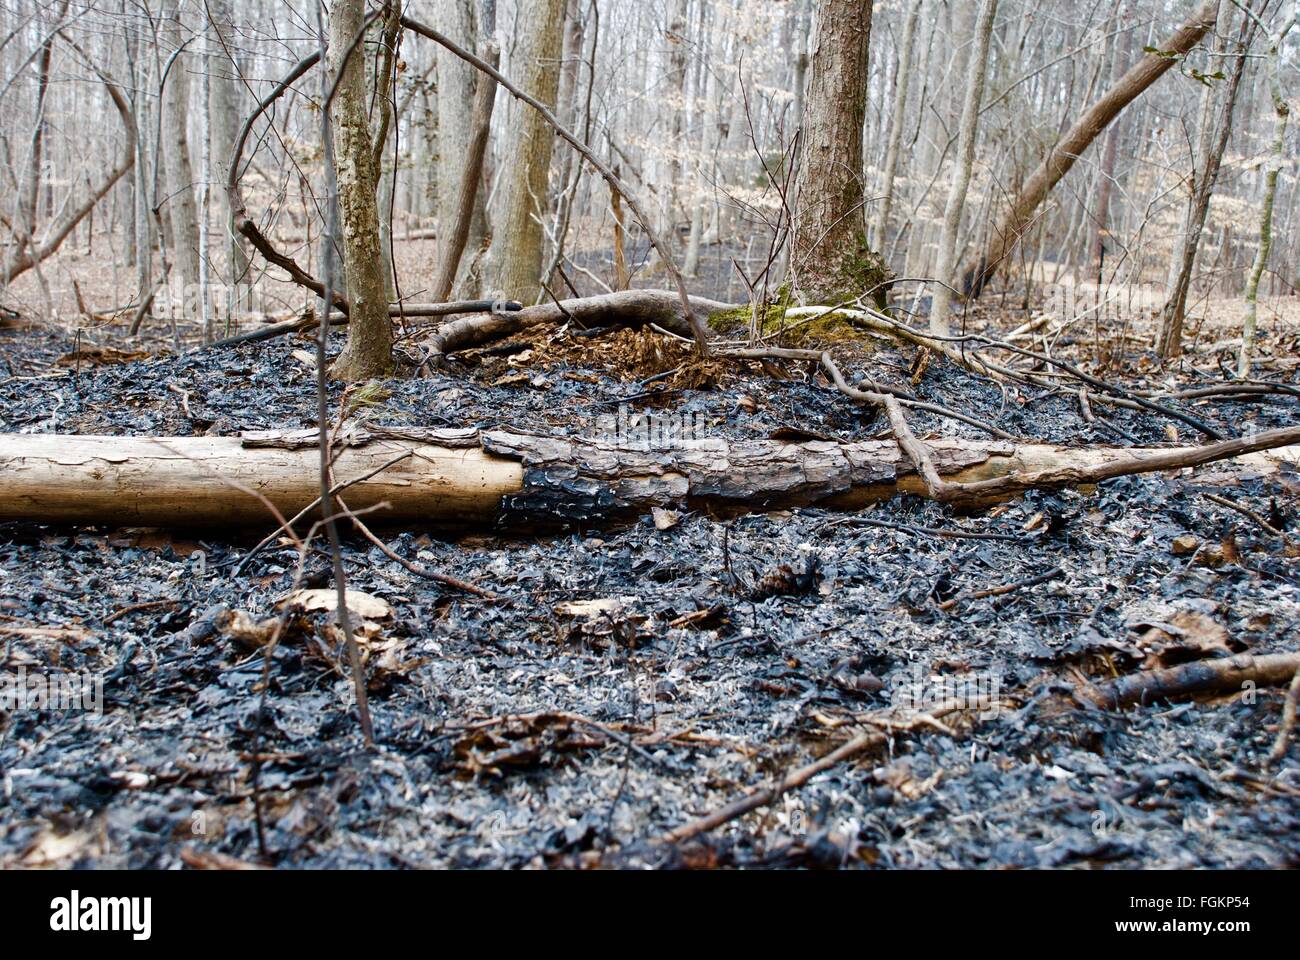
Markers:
point(466, 477)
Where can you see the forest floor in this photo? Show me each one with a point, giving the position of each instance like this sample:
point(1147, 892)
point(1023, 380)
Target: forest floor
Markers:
point(517, 732)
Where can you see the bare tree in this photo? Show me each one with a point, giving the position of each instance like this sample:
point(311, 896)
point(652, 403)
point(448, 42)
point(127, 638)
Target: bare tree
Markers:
point(514, 262)
point(369, 350)
point(830, 260)
point(977, 68)
point(1014, 223)
point(1277, 156)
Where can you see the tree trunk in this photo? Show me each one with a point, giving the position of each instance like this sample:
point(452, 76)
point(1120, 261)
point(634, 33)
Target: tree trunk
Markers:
point(881, 229)
point(456, 84)
point(1170, 338)
point(469, 195)
point(458, 477)
point(1281, 111)
point(514, 263)
point(1106, 175)
point(1058, 162)
point(182, 210)
point(227, 112)
point(970, 118)
point(368, 352)
point(829, 259)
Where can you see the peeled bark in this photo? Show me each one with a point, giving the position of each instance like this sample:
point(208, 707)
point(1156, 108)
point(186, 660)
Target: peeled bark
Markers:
point(458, 477)
point(1058, 162)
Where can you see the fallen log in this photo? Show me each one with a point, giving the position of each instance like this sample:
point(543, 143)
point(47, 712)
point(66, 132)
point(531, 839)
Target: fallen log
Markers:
point(467, 477)
point(625, 308)
point(309, 321)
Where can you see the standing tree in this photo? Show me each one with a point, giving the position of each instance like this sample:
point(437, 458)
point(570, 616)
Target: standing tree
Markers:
point(1205, 174)
point(1277, 155)
point(369, 350)
point(970, 119)
point(182, 211)
point(514, 263)
point(830, 260)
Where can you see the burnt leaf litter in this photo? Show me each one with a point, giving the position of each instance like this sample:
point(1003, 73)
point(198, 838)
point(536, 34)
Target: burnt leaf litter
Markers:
point(632, 678)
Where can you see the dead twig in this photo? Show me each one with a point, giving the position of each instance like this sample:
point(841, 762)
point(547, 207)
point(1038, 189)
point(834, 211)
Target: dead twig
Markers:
point(1201, 676)
point(1003, 589)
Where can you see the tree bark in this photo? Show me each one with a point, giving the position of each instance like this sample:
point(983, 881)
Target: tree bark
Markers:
point(1106, 175)
point(1205, 174)
point(459, 477)
point(1061, 158)
point(226, 105)
point(369, 350)
point(469, 199)
point(829, 259)
point(899, 116)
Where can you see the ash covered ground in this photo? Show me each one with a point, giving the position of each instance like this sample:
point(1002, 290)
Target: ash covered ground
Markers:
point(518, 733)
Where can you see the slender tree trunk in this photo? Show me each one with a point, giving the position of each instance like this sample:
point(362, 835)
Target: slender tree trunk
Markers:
point(227, 113)
point(1282, 112)
point(1106, 175)
point(970, 118)
point(881, 229)
point(830, 260)
point(368, 352)
point(455, 233)
point(456, 81)
point(1170, 339)
point(1061, 158)
point(514, 262)
point(181, 207)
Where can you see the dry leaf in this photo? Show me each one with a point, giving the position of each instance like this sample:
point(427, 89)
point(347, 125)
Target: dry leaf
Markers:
point(665, 519)
point(364, 605)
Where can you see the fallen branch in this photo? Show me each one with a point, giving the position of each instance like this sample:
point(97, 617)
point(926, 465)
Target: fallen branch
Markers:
point(309, 320)
point(626, 308)
point(762, 796)
point(1002, 589)
point(1202, 676)
point(460, 477)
